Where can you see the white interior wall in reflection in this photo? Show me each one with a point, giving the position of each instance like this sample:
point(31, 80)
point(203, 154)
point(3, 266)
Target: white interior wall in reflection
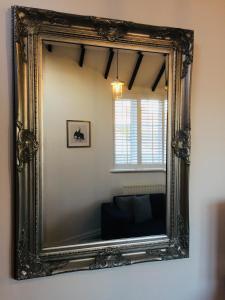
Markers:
point(77, 180)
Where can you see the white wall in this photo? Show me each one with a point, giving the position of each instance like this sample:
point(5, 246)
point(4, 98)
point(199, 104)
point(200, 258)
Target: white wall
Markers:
point(76, 181)
point(201, 277)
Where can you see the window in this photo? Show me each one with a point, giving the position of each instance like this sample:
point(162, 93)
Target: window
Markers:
point(140, 128)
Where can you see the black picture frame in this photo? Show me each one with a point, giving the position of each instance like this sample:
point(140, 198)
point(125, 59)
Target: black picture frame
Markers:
point(83, 139)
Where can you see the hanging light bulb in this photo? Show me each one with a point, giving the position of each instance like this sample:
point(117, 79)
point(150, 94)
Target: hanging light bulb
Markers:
point(117, 88)
point(117, 85)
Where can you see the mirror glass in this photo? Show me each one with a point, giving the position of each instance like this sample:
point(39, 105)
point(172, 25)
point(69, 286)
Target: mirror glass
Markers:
point(103, 157)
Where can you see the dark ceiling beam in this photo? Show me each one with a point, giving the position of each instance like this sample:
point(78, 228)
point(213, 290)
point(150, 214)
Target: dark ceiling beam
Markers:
point(109, 63)
point(137, 66)
point(156, 82)
point(48, 47)
point(82, 53)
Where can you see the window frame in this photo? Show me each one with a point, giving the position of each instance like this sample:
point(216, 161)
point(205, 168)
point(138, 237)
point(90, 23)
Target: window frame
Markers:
point(140, 167)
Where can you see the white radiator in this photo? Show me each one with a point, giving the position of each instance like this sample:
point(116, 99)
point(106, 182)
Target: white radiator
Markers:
point(144, 189)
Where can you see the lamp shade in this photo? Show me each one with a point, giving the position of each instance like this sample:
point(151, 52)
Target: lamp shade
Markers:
point(117, 88)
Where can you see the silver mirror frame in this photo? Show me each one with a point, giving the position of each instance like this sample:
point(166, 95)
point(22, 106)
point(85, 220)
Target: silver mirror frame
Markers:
point(32, 26)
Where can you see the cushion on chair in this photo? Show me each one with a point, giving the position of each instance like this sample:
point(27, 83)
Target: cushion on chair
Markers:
point(125, 203)
point(142, 208)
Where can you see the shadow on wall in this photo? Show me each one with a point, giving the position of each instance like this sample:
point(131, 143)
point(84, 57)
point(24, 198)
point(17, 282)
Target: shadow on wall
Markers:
point(220, 254)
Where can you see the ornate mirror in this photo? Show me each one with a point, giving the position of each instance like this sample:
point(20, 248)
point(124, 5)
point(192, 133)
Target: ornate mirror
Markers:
point(102, 142)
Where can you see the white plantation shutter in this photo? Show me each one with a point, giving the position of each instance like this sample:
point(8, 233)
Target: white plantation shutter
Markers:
point(152, 132)
point(140, 133)
point(125, 131)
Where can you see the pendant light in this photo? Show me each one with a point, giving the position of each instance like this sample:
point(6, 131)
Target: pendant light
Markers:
point(117, 85)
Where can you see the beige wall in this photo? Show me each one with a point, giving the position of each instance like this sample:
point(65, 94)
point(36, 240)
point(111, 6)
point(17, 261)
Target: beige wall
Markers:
point(201, 277)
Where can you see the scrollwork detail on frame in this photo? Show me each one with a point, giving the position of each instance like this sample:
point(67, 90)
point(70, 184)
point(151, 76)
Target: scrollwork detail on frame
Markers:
point(182, 236)
point(21, 33)
point(175, 250)
point(108, 258)
point(30, 265)
point(182, 145)
point(26, 145)
point(111, 30)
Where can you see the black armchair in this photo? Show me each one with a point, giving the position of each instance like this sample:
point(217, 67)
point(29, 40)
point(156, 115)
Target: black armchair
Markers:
point(133, 216)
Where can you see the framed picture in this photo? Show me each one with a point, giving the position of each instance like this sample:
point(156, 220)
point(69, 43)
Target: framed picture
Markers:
point(78, 134)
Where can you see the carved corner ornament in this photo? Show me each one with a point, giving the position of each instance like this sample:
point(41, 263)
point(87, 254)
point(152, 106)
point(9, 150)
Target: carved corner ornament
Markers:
point(26, 146)
point(182, 145)
point(108, 258)
point(173, 251)
point(30, 265)
point(178, 247)
point(182, 40)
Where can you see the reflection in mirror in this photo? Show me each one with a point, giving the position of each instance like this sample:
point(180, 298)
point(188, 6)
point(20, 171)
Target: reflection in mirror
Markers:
point(104, 158)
